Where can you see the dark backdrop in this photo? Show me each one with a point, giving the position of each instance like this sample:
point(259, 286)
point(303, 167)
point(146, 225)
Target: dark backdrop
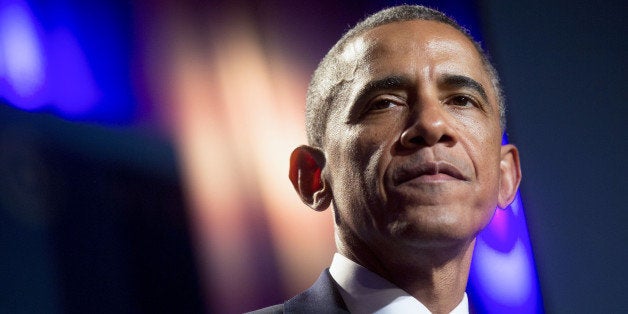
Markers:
point(563, 65)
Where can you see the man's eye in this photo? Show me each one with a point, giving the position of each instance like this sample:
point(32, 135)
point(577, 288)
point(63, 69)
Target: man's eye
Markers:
point(461, 101)
point(382, 104)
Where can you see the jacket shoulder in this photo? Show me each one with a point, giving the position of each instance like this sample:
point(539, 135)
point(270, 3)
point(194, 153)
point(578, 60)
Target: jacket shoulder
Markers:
point(275, 309)
point(322, 297)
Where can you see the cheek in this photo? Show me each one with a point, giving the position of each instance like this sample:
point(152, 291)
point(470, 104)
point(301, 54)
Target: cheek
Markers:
point(371, 151)
point(363, 150)
point(482, 142)
point(356, 165)
point(488, 174)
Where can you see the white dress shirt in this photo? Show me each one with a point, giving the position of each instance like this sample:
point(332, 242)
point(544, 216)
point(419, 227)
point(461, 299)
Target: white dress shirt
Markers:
point(365, 292)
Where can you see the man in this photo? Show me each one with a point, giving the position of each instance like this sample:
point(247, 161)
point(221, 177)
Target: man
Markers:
point(404, 122)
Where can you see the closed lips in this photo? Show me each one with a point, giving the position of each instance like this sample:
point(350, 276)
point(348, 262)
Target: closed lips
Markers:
point(410, 172)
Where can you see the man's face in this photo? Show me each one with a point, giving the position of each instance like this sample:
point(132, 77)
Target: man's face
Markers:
point(413, 143)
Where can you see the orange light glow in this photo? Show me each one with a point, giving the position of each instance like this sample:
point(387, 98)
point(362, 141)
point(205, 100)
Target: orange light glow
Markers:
point(237, 112)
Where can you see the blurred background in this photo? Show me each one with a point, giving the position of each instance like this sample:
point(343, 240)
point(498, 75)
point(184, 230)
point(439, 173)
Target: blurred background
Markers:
point(144, 151)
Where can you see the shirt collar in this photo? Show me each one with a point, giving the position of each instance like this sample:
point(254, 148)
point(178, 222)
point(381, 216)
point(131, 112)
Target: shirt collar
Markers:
point(365, 292)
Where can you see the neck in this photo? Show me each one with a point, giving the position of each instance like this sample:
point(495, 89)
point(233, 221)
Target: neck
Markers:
point(437, 277)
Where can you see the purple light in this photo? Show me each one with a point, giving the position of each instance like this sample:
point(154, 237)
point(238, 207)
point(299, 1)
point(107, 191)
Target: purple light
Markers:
point(502, 270)
point(499, 225)
point(23, 70)
point(506, 277)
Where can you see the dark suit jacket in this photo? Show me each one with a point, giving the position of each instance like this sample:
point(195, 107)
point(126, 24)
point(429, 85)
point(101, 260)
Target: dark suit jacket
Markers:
point(322, 297)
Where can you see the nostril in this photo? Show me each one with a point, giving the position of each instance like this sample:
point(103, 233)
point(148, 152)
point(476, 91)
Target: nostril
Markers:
point(423, 141)
point(446, 138)
point(417, 140)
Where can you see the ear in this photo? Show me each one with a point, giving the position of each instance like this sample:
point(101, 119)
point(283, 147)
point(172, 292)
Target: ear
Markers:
point(306, 165)
point(510, 175)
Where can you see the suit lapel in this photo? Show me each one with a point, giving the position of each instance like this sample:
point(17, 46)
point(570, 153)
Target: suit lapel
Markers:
point(322, 297)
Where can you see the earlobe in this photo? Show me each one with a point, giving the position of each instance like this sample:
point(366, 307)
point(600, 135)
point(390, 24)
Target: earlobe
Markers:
point(306, 166)
point(510, 177)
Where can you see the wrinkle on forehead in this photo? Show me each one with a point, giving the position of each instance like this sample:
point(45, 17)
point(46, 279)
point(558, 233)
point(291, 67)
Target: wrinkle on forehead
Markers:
point(352, 60)
point(343, 68)
point(354, 53)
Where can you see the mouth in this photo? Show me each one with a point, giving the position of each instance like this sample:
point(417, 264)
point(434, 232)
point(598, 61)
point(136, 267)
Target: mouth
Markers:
point(433, 171)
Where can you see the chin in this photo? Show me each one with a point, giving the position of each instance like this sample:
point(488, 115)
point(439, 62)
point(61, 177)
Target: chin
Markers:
point(432, 231)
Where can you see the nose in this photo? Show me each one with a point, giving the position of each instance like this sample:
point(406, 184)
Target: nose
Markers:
point(429, 125)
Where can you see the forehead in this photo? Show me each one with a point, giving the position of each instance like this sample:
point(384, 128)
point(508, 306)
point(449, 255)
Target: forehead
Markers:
point(416, 49)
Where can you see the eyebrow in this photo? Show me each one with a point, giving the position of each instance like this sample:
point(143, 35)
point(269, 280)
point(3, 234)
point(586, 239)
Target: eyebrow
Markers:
point(460, 81)
point(392, 82)
point(389, 82)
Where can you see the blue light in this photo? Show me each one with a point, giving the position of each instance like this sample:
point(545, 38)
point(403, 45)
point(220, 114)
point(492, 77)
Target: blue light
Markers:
point(68, 59)
point(23, 67)
point(73, 90)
